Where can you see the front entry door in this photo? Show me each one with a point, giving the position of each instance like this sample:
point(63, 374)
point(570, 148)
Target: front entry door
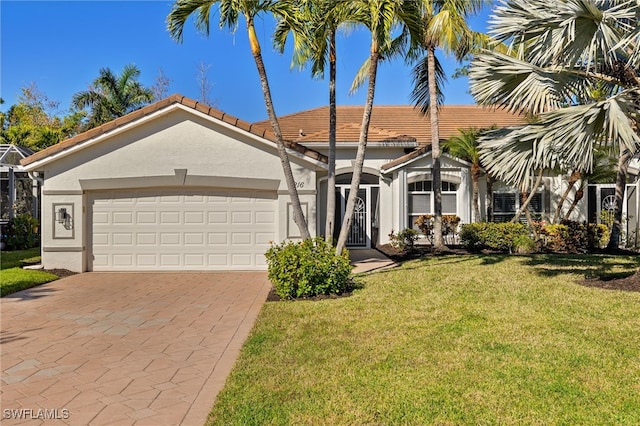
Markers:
point(360, 231)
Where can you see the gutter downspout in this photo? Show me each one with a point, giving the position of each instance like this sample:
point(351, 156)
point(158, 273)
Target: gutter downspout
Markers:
point(37, 183)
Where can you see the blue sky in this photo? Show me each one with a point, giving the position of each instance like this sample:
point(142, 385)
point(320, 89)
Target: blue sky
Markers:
point(61, 45)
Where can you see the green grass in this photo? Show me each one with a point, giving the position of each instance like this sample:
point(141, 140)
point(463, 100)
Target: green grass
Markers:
point(13, 278)
point(449, 340)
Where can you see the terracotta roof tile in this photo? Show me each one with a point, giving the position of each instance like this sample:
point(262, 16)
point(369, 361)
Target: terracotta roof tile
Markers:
point(265, 133)
point(395, 119)
point(350, 132)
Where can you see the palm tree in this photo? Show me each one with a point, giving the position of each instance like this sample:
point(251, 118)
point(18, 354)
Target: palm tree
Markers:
point(562, 52)
point(112, 96)
point(465, 147)
point(382, 17)
point(445, 27)
point(314, 24)
point(229, 11)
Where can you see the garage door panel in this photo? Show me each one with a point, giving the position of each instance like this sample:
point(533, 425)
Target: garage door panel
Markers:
point(194, 218)
point(169, 218)
point(122, 239)
point(181, 230)
point(265, 238)
point(218, 238)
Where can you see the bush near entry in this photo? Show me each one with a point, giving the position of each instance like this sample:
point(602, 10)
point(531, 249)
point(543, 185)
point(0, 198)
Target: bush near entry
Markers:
point(308, 268)
point(492, 236)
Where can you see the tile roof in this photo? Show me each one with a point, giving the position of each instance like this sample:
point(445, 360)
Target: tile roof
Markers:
point(261, 131)
point(350, 132)
point(395, 120)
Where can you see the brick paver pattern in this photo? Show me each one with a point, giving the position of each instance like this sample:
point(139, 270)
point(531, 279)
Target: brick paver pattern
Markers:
point(124, 348)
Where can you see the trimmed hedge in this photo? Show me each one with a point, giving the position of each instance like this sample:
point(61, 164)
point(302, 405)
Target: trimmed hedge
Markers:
point(492, 236)
point(566, 237)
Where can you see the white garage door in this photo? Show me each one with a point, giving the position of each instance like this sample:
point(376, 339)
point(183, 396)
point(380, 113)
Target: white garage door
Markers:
point(180, 230)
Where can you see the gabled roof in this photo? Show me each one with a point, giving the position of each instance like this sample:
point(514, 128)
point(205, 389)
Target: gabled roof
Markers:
point(402, 120)
point(147, 111)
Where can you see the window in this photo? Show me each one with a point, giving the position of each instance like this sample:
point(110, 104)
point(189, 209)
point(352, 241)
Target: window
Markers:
point(505, 205)
point(421, 199)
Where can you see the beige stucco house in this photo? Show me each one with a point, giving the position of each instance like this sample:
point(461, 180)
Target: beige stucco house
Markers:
point(178, 185)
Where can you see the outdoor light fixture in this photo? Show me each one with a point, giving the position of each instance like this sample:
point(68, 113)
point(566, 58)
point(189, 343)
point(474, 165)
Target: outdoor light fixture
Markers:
point(63, 217)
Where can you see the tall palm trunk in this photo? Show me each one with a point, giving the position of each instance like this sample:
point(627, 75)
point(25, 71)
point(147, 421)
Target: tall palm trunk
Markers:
point(475, 183)
point(571, 183)
point(621, 182)
point(362, 145)
point(438, 240)
point(298, 215)
point(331, 174)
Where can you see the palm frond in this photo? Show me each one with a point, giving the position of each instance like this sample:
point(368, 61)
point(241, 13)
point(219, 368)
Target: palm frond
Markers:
point(420, 95)
point(564, 139)
point(361, 76)
point(517, 85)
point(180, 13)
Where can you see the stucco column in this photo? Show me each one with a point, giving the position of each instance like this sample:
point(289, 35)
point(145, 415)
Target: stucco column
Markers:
point(464, 198)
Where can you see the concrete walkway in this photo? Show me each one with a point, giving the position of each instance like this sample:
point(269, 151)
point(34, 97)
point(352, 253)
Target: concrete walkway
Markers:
point(369, 260)
point(124, 348)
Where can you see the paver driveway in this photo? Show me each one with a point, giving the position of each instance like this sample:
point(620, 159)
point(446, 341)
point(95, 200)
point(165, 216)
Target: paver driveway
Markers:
point(124, 348)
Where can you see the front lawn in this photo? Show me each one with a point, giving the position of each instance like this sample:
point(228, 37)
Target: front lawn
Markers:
point(449, 340)
point(13, 278)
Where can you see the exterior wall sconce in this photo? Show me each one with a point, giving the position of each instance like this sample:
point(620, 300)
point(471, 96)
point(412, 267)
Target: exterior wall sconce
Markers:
point(62, 217)
point(63, 220)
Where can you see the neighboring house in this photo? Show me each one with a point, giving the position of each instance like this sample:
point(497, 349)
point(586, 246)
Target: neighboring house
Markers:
point(178, 185)
point(18, 190)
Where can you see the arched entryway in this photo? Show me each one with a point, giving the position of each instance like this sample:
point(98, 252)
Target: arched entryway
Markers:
point(364, 226)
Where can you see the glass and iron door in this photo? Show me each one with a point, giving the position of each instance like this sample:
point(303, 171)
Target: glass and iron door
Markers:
point(360, 231)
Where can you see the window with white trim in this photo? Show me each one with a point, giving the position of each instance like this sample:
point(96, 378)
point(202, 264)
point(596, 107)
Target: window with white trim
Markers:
point(506, 204)
point(420, 194)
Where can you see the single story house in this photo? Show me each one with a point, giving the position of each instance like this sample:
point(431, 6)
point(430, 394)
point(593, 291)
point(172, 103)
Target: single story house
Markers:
point(178, 185)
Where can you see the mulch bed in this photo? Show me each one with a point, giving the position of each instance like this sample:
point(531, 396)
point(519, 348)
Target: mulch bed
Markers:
point(631, 283)
point(60, 272)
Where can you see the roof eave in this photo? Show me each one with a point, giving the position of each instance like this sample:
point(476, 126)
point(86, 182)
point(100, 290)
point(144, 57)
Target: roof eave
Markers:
point(113, 129)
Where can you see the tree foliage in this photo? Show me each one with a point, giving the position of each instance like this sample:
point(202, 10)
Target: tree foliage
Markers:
point(34, 123)
point(229, 12)
point(112, 96)
point(444, 27)
point(574, 64)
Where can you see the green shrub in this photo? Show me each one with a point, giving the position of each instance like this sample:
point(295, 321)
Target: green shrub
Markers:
point(470, 235)
point(574, 237)
point(556, 237)
point(492, 236)
point(404, 240)
point(308, 268)
point(598, 235)
point(524, 244)
point(22, 233)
